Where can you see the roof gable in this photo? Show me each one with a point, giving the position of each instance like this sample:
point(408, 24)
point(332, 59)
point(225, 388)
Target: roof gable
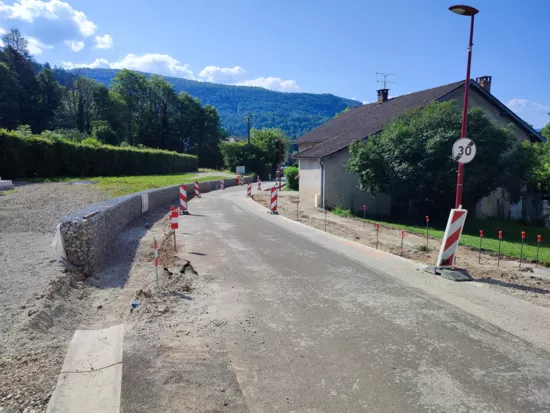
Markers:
point(366, 120)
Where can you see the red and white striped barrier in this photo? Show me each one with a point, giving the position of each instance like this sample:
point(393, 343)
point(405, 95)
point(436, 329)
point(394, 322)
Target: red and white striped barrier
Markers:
point(259, 184)
point(183, 200)
point(156, 252)
point(453, 231)
point(222, 183)
point(197, 192)
point(249, 189)
point(274, 200)
point(174, 223)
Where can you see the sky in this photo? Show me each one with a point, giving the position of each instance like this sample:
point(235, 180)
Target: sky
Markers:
point(314, 46)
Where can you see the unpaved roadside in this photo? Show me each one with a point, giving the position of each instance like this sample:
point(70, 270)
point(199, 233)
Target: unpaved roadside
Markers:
point(171, 316)
point(31, 347)
point(506, 278)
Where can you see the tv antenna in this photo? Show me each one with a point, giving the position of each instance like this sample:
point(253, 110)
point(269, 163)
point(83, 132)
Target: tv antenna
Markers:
point(385, 81)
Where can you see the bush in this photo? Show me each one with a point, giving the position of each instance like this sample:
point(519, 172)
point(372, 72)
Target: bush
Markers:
point(91, 142)
point(103, 133)
point(292, 179)
point(34, 156)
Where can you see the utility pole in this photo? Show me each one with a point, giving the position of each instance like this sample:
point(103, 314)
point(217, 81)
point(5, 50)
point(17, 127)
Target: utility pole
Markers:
point(249, 149)
point(249, 116)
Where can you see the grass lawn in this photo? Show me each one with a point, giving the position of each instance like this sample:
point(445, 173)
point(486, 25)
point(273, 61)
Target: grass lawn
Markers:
point(511, 235)
point(122, 185)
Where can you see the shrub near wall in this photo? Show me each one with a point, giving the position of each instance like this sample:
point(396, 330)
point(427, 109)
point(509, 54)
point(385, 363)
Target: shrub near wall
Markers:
point(30, 156)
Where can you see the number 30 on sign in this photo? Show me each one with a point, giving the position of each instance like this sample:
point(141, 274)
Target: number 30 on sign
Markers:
point(464, 150)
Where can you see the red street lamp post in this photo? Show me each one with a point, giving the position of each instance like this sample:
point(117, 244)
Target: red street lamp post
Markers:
point(464, 11)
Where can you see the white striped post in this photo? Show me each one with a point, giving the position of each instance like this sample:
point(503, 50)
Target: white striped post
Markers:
point(259, 184)
point(249, 189)
point(222, 183)
point(197, 192)
point(274, 200)
point(453, 231)
point(183, 200)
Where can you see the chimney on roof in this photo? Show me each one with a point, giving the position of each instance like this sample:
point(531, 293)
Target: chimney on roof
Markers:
point(484, 82)
point(382, 95)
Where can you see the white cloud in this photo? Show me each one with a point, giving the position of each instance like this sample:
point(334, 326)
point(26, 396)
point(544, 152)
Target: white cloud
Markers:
point(166, 65)
point(104, 42)
point(365, 102)
point(272, 83)
point(74, 45)
point(217, 74)
point(96, 64)
point(155, 63)
point(51, 21)
point(36, 46)
point(531, 112)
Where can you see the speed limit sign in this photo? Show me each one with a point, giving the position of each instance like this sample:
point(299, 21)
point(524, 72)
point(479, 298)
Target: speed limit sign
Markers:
point(464, 150)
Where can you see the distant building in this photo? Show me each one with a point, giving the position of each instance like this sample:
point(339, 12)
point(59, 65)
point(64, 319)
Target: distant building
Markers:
point(324, 152)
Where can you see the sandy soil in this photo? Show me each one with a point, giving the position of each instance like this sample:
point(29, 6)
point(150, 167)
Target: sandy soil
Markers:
point(507, 278)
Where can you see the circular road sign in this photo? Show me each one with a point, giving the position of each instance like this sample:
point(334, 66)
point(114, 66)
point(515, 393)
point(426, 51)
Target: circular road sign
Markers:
point(464, 150)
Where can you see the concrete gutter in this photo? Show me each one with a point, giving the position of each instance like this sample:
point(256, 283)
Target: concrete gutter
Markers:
point(90, 379)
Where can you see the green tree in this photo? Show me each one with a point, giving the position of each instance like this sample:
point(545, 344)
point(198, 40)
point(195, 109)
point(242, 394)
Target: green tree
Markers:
point(49, 96)
point(267, 151)
point(347, 109)
point(23, 79)
point(132, 88)
point(546, 131)
point(14, 39)
point(101, 130)
point(9, 97)
point(411, 160)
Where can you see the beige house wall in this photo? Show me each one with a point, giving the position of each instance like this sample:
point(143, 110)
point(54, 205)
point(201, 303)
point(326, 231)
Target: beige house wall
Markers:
point(310, 181)
point(342, 188)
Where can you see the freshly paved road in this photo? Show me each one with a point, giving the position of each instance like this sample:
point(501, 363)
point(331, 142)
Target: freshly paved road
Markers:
point(319, 324)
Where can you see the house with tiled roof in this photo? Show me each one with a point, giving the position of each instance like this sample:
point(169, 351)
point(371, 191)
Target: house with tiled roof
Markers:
point(324, 152)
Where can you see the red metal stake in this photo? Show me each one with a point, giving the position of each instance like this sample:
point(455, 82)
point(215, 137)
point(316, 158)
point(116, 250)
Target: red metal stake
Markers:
point(427, 229)
point(499, 241)
point(539, 240)
point(521, 251)
point(480, 241)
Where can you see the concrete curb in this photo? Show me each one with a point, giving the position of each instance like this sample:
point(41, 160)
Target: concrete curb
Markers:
point(91, 374)
point(89, 233)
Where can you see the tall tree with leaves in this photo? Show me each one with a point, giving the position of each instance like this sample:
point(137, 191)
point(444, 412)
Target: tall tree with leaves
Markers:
point(132, 88)
point(411, 159)
point(14, 39)
point(49, 96)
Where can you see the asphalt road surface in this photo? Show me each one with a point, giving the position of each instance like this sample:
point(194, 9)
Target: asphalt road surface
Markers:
point(315, 323)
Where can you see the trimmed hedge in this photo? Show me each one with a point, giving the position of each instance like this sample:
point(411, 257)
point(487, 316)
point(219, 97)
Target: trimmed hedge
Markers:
point(33, 156)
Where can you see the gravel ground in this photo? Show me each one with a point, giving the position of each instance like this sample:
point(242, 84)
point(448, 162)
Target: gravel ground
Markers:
point(32, 353)
point(507, 278)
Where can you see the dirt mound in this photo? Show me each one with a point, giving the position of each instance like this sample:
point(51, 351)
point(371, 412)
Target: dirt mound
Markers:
point(174, 285)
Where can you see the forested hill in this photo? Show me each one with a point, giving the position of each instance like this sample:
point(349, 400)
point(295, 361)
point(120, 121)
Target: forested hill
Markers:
point(294, 113)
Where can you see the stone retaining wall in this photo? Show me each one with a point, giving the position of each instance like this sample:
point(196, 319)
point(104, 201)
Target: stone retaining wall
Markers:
point(88, 234)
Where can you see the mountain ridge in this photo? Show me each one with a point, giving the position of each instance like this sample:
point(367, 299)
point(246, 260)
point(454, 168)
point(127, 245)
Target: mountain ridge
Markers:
point(294, 113)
